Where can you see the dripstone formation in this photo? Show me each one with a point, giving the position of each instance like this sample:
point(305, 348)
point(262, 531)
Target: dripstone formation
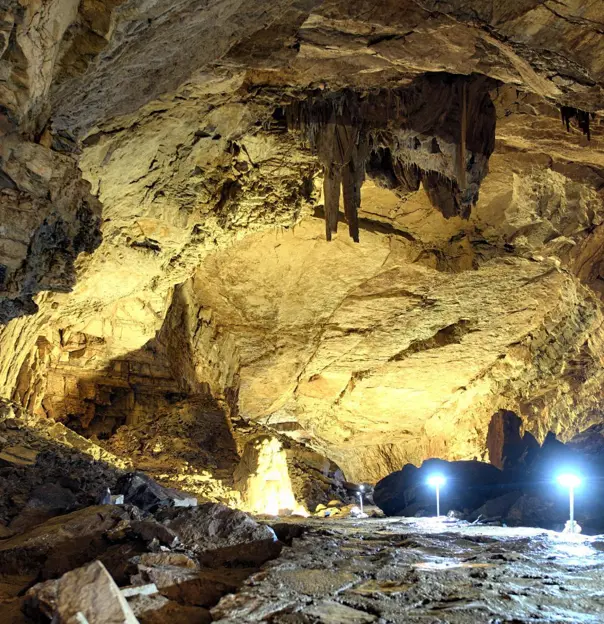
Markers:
point(161, 246)
point(401, 138)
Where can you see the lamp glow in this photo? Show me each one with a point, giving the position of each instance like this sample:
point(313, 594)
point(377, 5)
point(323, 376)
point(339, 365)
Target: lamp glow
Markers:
point(361, 488)
point(437, 481)
point(570, 481)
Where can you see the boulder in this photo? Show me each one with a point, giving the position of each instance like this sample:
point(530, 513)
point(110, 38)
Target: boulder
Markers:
point(388, 493)
point(536, 511)
point(119, 560)
point(89, 591)
point(140, 490)
point(46, 501)
point(157, 609)
point(203, 587)
point(167, 559)
point(151, 531)
point(495, 509)
point(221, 535)
point(287, 532)
point(65, 542)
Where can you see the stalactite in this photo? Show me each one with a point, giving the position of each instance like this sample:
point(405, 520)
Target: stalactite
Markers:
point(331, 190)
point(335, 130)
point(385, 132)
point(461, 164)
point(582, 117)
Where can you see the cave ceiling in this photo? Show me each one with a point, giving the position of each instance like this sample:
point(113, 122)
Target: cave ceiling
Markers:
point(170, 172)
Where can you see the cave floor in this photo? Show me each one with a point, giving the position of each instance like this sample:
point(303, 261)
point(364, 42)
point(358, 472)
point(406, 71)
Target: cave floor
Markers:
point(422, 570)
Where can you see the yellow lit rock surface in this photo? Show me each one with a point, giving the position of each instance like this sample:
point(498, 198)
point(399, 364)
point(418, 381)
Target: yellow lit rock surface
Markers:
point(388, 351)
point(165, 283)
point(263, 479)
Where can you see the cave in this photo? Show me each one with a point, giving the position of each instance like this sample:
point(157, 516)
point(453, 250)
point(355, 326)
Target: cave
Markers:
point(297, 286)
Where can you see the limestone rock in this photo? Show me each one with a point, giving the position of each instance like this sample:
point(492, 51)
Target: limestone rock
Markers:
point(46, 501)
point(262, 477)
point(507, 448)
point(89, 590)
point(140, 490)
point(165, 127)
point(468, 485)
point(202, 588)
point(56, 217)
point(332, 612)
point(167, 559)
point(221, 535)
point(157, 609)
point(525, 493)
point(151, 532)
point(18, 455)
point(589, 442)
point(139, 590)
point(66, 475)
point(64, 542)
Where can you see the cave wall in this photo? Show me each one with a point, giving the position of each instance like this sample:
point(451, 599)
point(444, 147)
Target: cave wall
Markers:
point(160, 231)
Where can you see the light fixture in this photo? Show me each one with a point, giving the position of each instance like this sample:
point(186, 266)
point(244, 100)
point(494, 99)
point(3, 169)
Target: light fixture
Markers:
point(361, 488)
point(571, 481)
point(437, 481)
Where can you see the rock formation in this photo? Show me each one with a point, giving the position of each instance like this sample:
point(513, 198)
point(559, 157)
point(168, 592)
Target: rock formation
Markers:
point(169, 174)
point(263, 479)
point(187, 334)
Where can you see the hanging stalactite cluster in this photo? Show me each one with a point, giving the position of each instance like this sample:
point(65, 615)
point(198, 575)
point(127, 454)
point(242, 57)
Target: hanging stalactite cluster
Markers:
point(335, 129)
point(439, 131)
point(582, 117)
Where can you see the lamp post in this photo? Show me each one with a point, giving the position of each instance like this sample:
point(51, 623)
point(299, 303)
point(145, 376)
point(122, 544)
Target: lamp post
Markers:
point(361, 488)
point(436, 481)
point(570, 481)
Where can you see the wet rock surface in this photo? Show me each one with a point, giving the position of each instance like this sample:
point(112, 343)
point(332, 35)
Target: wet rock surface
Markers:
point(85, 557)
point(423, 571)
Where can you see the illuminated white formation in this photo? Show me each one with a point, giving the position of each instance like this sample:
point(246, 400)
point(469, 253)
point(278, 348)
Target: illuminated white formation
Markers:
point(263, 479)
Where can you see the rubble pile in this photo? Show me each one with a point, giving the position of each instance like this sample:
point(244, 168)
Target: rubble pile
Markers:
point(81, 538)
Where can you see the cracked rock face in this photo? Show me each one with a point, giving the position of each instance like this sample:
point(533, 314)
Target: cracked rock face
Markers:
point(167, 173)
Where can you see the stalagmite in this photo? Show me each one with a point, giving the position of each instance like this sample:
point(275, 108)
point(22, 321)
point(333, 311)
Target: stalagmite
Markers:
point(263, 479)
point(180, 347)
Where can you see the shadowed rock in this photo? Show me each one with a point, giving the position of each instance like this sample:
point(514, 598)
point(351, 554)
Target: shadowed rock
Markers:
point(221, 535)
point(469, 484)
point(140, 490)
point(65, 542)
